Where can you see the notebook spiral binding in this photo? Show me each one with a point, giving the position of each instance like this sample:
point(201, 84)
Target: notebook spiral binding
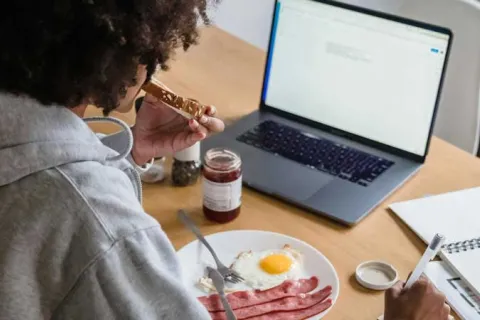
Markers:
point(461, 246)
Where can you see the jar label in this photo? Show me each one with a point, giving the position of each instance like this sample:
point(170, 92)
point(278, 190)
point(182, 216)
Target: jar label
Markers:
point(222, 197)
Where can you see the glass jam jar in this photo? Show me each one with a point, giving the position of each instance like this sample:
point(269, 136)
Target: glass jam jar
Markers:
point(222, 185)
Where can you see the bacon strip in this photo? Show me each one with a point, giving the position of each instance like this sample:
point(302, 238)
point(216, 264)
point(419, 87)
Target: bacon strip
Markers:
point(299, 302)
point(298, 314)
point(242, 299)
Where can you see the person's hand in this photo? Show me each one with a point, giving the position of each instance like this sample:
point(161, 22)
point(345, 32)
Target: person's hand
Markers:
point(160, 130)
point(421, 302)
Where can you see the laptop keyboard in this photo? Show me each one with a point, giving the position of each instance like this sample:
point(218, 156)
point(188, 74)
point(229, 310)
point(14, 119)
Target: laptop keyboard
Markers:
point(321, 154)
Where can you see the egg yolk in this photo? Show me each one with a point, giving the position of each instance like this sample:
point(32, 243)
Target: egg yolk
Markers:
point(276, 264)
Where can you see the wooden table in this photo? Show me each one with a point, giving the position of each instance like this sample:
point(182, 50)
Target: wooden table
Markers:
point(227, 72)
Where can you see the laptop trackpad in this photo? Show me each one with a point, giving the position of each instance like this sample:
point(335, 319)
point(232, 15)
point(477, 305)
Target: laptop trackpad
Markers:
point(284, 178)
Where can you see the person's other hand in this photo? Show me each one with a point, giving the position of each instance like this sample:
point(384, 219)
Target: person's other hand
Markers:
point(421, 302)
point(160, 130)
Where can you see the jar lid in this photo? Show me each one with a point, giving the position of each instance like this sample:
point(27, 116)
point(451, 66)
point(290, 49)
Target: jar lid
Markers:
point(190, 154)
point(376, 275)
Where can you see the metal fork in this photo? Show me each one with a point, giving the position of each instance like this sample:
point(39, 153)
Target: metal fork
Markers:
point(227, 273)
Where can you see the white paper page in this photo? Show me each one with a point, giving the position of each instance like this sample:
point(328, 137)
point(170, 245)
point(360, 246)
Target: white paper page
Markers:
point(459, 296)
point(466, 264)
point(461, 299)
point(456, 215)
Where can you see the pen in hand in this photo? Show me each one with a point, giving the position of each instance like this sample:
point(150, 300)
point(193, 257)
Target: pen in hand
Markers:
point(430, 253)
point(432, 250)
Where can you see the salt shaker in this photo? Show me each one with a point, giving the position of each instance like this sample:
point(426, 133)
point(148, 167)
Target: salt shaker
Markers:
point(186, 167)
point(156, 172)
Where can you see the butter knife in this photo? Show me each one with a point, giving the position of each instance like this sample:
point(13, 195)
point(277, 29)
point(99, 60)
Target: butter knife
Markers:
point(220, 286)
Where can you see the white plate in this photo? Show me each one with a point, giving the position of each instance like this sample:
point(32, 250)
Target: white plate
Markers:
point(194, 257)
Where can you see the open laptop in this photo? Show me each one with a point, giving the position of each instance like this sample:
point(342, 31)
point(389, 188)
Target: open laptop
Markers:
point(347, 109)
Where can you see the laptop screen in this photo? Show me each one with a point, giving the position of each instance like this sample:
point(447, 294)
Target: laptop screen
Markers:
point(369, 76)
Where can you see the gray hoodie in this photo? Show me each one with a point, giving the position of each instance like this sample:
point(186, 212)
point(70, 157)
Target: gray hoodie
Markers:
point(75, 242)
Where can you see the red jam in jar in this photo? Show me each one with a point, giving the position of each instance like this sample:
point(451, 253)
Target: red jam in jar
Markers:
point(222, 185)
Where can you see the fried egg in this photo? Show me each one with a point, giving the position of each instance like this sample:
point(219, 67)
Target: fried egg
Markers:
point(269, 268)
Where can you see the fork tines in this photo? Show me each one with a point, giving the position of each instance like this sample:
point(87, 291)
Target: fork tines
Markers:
point(234, 277)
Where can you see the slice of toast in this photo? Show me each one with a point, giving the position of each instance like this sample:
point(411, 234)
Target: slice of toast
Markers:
point(189, 108)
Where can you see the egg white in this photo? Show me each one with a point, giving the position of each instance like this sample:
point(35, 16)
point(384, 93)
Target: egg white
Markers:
point(247, 264)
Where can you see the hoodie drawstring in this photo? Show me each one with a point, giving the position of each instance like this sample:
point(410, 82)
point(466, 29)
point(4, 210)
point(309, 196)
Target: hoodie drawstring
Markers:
point(125, 127)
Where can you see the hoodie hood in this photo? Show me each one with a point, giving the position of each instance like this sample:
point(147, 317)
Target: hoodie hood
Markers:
point(34, 137)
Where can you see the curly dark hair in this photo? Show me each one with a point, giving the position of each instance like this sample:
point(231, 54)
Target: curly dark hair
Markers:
point(69, 52)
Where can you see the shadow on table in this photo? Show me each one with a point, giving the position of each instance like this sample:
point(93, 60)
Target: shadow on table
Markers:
point(357, 287)
point(231, 120)
point(417, 242)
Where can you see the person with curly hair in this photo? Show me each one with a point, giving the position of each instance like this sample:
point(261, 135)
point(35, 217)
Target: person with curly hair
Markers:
point(75, 240)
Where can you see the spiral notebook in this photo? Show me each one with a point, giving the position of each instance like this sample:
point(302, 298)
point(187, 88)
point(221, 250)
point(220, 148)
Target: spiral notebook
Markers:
point(459, 296)
point(456, 215)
